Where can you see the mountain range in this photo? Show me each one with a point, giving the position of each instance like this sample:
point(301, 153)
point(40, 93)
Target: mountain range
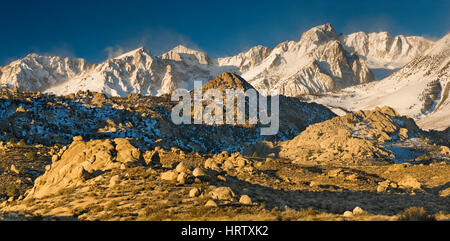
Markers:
point(319, 62)
point(342, 69)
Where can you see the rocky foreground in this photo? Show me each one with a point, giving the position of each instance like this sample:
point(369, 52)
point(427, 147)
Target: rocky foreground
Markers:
point(113, 180)
point(370, 165)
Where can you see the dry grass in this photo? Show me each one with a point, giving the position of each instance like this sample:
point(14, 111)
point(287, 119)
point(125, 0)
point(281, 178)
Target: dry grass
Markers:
point(415, 214)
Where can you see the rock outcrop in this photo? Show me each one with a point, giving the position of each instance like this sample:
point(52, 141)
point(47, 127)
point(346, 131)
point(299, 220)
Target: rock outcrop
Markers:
point(364, 137)
point(83, 161)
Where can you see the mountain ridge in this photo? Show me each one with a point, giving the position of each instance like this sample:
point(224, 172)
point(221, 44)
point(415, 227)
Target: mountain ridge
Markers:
point(319, 62)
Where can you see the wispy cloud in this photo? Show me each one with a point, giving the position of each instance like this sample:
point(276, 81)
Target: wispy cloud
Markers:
point(61, 50)
point(157, 41)
point(378, 23)
point(114, 51)
point(7, 61)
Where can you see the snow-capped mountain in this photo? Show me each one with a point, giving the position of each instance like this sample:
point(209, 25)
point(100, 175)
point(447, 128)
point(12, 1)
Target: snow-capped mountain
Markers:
point(321, 61)
point(130, 73)
point(140, 72)
point(420, 90)
point(317, 63)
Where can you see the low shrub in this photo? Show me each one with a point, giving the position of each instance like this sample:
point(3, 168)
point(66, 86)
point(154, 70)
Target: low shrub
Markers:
point(415, 214)
point(12, 190)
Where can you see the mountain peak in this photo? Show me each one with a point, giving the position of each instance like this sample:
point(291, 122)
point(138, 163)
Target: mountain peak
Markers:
point(32, 55)
point(181, 52)
point(319, 34)
point(227, 80)
point(183, 49)
point(140, 51)
point(381, 50)
point(326, 27)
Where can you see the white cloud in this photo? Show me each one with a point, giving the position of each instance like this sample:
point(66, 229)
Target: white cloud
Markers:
point(114, 51)
point(157, 41)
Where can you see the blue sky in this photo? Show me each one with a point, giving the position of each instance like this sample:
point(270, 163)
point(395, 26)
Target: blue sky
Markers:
point(96, 29)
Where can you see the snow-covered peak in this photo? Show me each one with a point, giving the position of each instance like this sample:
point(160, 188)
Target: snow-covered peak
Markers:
point(138, 72)
point(319, 34)
point(183, 49)
point(246, 60)
point(420, 89)
point(134, 53)
point(316, 64)
point(130, 73)
point(190, 56)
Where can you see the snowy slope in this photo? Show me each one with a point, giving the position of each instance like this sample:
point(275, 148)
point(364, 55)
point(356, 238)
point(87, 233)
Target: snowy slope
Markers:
point(384, 51)
point(419, 90)
point(439, 118)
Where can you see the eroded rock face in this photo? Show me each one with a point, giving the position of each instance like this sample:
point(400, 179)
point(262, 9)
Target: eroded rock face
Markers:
point(83, 161)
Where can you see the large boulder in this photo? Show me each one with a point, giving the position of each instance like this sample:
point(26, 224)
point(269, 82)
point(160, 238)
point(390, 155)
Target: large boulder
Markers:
point(126, 152)
point(82, 161)
point(410, 182)
point(222, 193)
